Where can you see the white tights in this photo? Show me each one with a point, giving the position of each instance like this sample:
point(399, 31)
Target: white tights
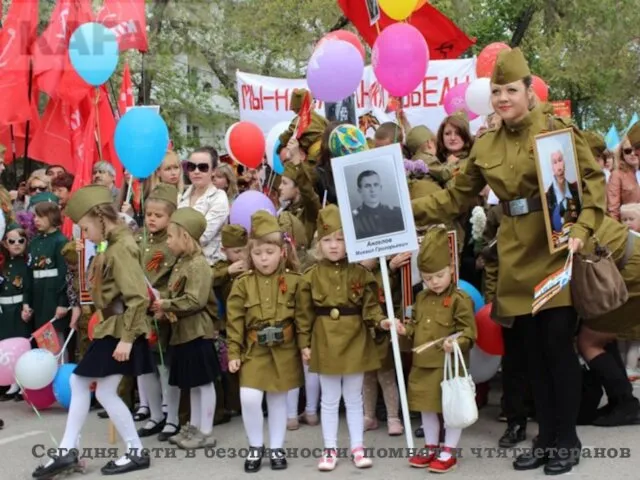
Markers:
point(151, 395)
point(312, 394)
point(253, 418)
point(348, 387)
point(203, 407)
point(431, 427)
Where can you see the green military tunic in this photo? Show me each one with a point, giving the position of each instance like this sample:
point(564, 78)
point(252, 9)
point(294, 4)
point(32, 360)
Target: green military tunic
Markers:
point(122, 283)
point(504, 158)
point(310, 140)
point(307, 208)
point(49, 283)
point(343, 345)
point(191, 307)
point(433, 317)
point(489, 252)
point(16, 285)
point(379, 220)
point(256, 301)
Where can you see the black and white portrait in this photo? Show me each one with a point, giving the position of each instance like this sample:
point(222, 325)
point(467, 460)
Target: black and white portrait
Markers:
point(342, 111)
point(374, 11)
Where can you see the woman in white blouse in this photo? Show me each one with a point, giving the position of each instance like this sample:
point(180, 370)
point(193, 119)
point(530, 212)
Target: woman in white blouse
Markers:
point(203, 196)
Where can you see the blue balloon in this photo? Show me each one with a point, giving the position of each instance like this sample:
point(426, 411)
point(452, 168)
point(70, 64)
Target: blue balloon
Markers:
point(94, 52)
point(476, 296)
point(62, 384)
point(141, 141)
point(277, 163)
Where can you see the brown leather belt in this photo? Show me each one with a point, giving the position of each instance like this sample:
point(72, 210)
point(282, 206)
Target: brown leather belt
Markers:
point(631, 238)
point(337, 312)
point(521, 206)
point(116, 307)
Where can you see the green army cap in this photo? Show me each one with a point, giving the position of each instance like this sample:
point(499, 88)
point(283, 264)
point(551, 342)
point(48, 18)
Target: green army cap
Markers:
point(165, 192)
point(291, 171)
point(292, 225)
point(263, 223)
point(69, 253)
point(634, 134)
point(43, 197)
point(13, 226)
point(84, 199)
point(417, 137)
point(510, 67)
point(297, 96)
point(234, 236)
point(191, 220)
point(328, 221)
point(595, 142)
point(435, 254)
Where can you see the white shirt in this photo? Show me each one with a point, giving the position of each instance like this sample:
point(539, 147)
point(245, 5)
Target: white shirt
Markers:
point(214, 205)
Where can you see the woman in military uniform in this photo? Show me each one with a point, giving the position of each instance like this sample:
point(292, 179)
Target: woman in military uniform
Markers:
point(119, 344)
point(191, 308)
point(268, 327)
point(504, 159)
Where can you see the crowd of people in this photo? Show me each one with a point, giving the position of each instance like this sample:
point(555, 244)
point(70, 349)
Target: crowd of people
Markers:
point(200, 320)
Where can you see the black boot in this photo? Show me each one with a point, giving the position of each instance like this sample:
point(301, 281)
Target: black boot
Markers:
point(563, 460)
point(253, 463)
point(532, 459)
point(513, 435)
point(278, 459)
point(136, 462)
point(625, 409)
point(61, 464)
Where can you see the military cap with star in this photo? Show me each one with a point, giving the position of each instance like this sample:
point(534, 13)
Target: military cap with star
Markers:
point(43, 197)
point(328, 221)
point(510, 67)
point(263, 223)
point(634, 134)
point(417, 137)
point(13, 226)
point(435, 253)
point(165, 192)
point(86, 198)
point(191, 220)
point(234, 236)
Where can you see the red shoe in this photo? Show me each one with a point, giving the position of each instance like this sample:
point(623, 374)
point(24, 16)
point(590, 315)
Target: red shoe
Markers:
point(424, 458)
point(443, 466)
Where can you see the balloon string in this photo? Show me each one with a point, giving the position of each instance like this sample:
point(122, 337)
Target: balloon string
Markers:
point(24, 391)
point(378, 27)
point(98, 140)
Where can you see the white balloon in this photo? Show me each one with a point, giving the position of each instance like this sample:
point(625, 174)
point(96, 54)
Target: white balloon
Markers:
point(227, 145)
point(478, 96)
point(483, 366)
point(272, 139)
point(36, 369)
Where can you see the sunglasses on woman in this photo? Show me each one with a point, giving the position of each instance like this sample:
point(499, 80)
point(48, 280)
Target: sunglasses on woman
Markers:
point(202, 167)
point(628, 151)
point(37, 189)
point(19, 241)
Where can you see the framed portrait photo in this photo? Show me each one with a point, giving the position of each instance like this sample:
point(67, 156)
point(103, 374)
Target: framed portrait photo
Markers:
point(342, 111)
point(85, 258)
point(375, 208)
point(560, 185)
point(374, 11)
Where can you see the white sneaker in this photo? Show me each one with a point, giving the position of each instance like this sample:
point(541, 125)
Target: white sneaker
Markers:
point(328, 461)
point(359, 460)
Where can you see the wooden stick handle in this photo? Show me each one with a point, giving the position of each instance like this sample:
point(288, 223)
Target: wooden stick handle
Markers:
point(112, 433)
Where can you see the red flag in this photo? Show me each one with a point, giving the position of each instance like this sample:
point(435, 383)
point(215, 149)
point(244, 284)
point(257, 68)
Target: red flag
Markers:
point(47, 338)
point(106, 123)
point(50, 50)
point(127, 19)
point(18, 33)
point(83, 145)
point(304, 117)
point(52, 142)
point(445, 39)
point(126, 91)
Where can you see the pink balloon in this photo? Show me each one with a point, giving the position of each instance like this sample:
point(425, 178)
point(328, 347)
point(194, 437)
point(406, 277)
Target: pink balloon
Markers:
point(400, 58)
point(11, 349)
point(42, 398)
point(455, 100)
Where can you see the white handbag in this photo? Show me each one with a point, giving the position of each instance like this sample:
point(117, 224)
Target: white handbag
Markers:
point(459, 409)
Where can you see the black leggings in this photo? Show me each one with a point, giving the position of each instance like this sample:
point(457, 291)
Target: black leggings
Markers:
point(555, 374)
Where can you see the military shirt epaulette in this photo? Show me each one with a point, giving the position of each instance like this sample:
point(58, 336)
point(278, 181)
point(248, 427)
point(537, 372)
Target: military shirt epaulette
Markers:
point(484, 132)
point(315, 266)
point(245, 274)
point(288, 271)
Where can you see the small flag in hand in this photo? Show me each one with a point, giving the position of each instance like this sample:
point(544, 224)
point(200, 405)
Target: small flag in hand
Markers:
point(304, 117)
point(47, 338)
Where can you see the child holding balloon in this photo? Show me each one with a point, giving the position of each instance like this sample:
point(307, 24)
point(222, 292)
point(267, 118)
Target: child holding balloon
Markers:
point(119, 345)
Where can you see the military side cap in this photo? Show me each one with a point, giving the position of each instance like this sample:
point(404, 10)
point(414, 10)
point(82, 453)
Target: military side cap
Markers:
point(297, 96)
point(634, 134)
point(328, 221)
point(263, 223)
point(291, 171)
point(165, 192)
point(69, 253)
point(510, 67)
point(191, 220)
point(417, 137)
point(13, 226)
point(234, 236)
point(596, 143)
point(84, 199)
point(292, 225)
point(435, 254)
point(43, 197)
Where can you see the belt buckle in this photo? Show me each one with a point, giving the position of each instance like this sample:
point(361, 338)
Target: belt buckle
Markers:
point(334, 313)
point(518, 207)
point(270, 335)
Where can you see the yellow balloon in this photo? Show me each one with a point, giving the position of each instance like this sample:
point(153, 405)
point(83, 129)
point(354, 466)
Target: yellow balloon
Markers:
point(420, 4)
point(398, 9)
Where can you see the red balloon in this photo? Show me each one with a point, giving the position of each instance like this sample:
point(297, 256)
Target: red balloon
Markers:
point(489, 332)
point(488, 57)
point(345, 36)
point(41, 398)
point(246, 144)
point(540, 88)
point(93, 321)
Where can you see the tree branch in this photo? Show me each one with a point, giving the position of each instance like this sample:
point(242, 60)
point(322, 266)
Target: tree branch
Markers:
point(226, 81)
point(523, 24)
point(340, 24)
point(155, 26)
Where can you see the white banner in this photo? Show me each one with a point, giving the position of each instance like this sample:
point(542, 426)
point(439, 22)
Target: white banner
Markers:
point(265, 100)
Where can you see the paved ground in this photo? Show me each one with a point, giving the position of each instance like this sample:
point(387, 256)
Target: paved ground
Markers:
point(23, 429)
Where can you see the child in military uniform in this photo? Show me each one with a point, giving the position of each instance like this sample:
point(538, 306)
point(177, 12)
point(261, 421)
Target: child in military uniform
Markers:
point(119, 345)
point(157, 263)
point(48, 266)
point(268, 327)
point(191, 309)
point(15, 286)
point(346, 305)
point(440, 311)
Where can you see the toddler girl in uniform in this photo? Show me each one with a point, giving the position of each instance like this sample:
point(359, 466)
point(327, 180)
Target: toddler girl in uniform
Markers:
point(439, 311)
point(190, 307)
point(346, 305)
point(119, 345)
point(268, 325)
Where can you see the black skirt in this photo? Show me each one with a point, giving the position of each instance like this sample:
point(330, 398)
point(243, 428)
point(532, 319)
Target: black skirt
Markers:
point(193, 364)
point(98, 361)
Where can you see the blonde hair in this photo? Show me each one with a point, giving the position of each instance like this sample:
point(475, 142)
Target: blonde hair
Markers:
point(105, 213)
point(630, 209)
point(189, 245)
point(232, 181)
point(170, 158)
point(316, 250)
point(291, 260)
point(39, 175)
point(618, 156)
